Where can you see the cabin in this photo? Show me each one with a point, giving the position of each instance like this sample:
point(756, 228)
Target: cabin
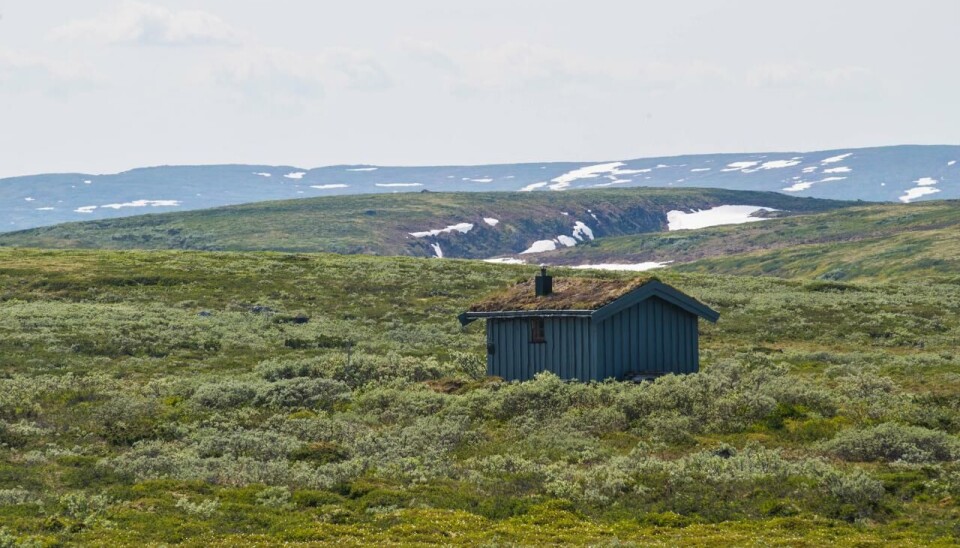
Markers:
point(590, 329)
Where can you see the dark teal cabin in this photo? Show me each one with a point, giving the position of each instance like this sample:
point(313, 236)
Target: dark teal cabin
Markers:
point(591, 329)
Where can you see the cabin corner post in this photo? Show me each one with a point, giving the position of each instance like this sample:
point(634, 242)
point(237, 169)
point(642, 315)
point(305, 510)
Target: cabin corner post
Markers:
point(490, 347)
point(593, 364)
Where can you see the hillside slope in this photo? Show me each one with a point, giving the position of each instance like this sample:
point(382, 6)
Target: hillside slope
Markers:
point(465, 225)
point(893, 174)
point(866, 242)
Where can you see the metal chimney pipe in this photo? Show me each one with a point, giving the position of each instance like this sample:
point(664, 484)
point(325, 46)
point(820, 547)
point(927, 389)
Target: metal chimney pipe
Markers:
point(543, 283)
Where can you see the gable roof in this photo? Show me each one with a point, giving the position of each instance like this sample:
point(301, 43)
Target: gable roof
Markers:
point(593, 297)
point(568, 294)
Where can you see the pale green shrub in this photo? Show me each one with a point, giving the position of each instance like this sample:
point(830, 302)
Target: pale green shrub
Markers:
point(892, 442)
point(224, 394)
point(275, 497)
point(302, 392)
point(205, 509)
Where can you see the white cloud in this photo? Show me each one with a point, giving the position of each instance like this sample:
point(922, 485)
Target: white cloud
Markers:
point(516, 66)
point(789, 75)
point(133, 22)
point(21, 71)
point(292, 80)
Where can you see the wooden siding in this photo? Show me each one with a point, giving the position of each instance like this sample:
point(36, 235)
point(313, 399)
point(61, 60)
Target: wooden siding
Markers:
point(652, 336)
point(567, 351)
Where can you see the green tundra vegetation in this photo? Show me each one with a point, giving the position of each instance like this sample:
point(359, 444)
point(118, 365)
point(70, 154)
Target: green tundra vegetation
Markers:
point(875, 242)
point(219, 399)
point(381, 224)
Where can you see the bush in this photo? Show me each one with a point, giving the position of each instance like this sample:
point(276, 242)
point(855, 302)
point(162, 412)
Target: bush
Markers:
point(302, 392)
point(224, 394)
point(275, 497)
point(126, 419)
point(204, 509)
point(893, 442)
point(275, 370)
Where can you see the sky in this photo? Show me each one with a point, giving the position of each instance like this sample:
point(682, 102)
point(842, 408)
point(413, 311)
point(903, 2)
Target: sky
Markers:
point(100, 86)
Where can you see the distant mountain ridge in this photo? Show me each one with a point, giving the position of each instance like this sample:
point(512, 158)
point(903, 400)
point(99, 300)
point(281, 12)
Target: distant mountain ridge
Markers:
point(905, 173)
point(469, 225)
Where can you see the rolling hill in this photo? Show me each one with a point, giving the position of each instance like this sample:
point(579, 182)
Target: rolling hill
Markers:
point(895, 174)
point(426, 224)
point(874, 242)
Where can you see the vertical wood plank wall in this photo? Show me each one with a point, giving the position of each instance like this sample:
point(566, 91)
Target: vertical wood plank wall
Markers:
point(566, 352)
point(653, 336)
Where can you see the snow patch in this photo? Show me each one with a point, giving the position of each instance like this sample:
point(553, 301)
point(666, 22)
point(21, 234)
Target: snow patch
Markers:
point(841, 169)
point(260, 173)
point(87, 182)
point(483, 180)
point(505, 260)
point(797, 187)
point(698, 169)
point(28, 199)
point(540, 246)
point(810, 169)
point(591, 172)
point(567, 241)
point(388, 185)
point(951, 162)
point(924, 187)
point(580, 230)
point(143, 203)
point(491, 221)
point(739, 166)
point(328, 187)
point(44, 209)
point(835, 159)
point(779, 164)
point(295, 175)
point(804, 185)
point(361, 169)
point(459, 227)
point(437, 251)
point(720, 215)
point(916, 192)
point(636, 267)
point(85, 209)
point(533, 186)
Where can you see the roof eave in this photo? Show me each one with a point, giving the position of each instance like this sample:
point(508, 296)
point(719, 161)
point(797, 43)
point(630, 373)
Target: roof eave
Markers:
point(468, 317)
point(663, 291)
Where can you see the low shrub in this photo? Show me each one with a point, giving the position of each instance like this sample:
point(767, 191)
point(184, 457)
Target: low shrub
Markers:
point(302, 392)
point(893, 442)
point(225, 394)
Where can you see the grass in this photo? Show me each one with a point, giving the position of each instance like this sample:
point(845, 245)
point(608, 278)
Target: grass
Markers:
point(381, 224)
point(201, 398)
point(877, 242)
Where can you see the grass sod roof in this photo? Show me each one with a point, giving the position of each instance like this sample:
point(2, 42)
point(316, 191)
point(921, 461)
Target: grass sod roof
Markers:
point(568, 294)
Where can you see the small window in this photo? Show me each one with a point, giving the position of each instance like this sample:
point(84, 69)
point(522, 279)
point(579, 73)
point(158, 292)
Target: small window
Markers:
point(537, 331)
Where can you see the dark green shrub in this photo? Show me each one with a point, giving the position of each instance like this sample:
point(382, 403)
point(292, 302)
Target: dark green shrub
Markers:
point(224, 394)
point(320, 453)
point(126, 419)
